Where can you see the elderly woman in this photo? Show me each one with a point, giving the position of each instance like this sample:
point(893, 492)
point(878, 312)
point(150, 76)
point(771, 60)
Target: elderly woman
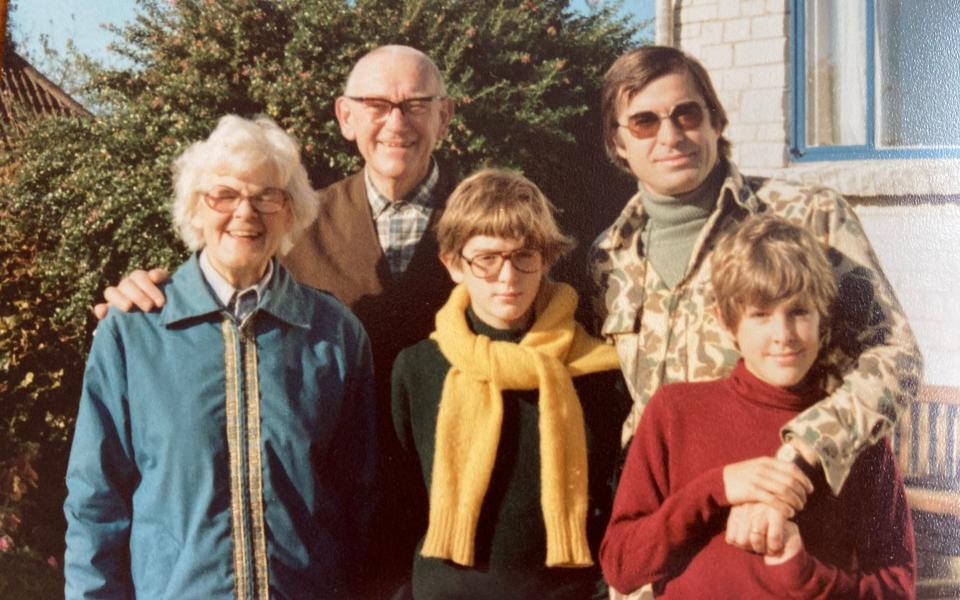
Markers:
point(224, 444)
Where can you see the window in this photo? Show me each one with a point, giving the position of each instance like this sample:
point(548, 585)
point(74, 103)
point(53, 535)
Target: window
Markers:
point(875, 79)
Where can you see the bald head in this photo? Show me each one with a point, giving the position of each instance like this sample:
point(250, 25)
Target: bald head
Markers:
point(396, 142)
point(385, 58)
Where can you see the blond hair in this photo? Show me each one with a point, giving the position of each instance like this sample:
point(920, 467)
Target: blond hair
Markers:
point(768, 260)
point(505, 204)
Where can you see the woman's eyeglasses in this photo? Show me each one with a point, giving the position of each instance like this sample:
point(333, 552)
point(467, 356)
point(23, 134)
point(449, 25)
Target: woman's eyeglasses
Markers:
point(225, 199)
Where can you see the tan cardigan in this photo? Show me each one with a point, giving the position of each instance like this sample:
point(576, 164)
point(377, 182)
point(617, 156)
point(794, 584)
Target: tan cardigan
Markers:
point(340, 253)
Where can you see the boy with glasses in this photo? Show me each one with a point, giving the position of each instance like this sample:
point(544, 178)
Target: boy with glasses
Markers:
point(508, 413)
point(704, 447)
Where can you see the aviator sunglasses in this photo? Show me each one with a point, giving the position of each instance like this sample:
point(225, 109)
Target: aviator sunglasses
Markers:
point(686, 115)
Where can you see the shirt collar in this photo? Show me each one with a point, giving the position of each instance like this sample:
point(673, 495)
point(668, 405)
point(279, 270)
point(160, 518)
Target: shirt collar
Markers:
point(222, 289)
point(420, 197)
point(190, 296)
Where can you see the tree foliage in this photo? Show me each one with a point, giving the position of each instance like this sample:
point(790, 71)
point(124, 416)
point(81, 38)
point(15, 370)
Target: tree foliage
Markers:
point(86, 200)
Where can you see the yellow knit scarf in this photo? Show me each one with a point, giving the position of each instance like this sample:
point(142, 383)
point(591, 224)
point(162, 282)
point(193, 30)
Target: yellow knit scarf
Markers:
point(471, 413)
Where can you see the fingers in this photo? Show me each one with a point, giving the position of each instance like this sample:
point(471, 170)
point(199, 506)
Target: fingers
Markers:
point(138, 289)
point(158, 276)
point(790, 475)
point(117, 299)
point(738, 526)
point(785, 481)
point(100, 310)
point(791, 545)
point(758, 530)
point(756, 527)
point(744, 529)
point(768, 480)
point(800, 477)
point(775, 533)
point(787, 511)
point(767, 530)
point(143, 284)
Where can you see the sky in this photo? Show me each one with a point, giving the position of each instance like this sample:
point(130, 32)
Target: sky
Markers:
point(60, 20)
point(81, 20)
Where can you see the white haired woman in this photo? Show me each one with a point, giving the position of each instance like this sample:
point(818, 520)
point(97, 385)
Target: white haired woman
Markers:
point(225, 444)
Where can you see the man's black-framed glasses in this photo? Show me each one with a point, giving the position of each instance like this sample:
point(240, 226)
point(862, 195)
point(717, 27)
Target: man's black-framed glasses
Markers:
point(226, 199)
point(380, 108)
point(646, 124)
point(489, 264)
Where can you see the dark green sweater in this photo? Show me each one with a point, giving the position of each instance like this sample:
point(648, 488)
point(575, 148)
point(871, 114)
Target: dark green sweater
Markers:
point(511, 538)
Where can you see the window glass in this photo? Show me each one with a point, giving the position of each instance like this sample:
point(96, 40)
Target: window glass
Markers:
point(906, 96)
point(836, 99)
point(918, 73)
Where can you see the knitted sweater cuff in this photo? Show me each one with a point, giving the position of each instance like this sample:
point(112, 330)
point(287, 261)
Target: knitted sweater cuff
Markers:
point(451, 535)
point(567, 544)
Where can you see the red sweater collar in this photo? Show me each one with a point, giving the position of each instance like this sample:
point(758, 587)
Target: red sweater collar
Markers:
point(753, 389)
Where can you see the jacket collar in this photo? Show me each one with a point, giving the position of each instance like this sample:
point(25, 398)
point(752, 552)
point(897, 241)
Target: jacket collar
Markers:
point(190, 297)
point(736, 189)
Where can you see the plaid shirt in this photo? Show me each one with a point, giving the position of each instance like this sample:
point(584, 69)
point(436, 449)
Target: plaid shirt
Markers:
point(400, 225)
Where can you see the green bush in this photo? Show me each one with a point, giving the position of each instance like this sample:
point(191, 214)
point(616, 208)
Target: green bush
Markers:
point(85, 200)
point(23, 576)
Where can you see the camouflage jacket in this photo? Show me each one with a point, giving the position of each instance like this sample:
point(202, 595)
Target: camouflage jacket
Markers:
point(871, 362)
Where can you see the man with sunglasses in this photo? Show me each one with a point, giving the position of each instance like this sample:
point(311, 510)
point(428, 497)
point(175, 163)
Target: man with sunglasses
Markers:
point(372, 244)
point(663, 124)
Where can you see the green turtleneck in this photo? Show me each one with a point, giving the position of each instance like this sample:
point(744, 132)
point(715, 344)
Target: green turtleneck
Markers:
point(675, 222)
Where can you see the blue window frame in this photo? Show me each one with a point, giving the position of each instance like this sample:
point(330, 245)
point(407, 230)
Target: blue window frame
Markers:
point(875, 79)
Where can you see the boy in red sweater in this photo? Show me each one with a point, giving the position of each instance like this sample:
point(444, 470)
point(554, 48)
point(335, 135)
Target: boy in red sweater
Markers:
point(695, 454)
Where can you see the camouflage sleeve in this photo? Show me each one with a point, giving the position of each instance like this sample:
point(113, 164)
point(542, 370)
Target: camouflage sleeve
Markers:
point(598, 271)
point(872, 352)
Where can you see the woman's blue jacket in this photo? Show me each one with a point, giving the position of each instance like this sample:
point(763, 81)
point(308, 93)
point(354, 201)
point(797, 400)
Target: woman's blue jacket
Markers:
point(215, 459)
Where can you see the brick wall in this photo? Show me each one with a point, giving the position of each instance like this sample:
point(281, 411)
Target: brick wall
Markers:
point(743, 44)
point(918, 248)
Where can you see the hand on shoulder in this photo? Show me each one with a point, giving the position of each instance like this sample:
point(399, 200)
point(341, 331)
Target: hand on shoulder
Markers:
point(138, 290)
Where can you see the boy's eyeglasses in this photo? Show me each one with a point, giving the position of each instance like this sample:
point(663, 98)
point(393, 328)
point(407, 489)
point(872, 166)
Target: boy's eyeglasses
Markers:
point(380, 108)
point(226, 199)
point(489, 264)
point(686, 115)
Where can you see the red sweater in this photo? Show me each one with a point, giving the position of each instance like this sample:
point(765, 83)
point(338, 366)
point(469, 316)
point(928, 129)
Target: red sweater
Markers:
point(670, 510)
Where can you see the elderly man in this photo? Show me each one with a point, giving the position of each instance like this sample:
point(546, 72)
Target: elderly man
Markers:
point(371, 245)
point(663, 124)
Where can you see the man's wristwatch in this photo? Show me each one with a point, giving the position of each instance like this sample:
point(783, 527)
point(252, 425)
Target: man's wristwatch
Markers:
point(787, 453)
